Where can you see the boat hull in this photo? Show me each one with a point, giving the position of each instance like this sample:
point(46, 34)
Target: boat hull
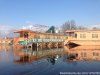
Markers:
point(85, 42)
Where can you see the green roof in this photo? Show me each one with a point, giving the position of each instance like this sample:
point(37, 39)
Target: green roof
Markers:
point(51, 30)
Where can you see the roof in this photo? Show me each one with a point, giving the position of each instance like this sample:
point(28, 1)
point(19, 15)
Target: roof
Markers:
point(82, 30)
point(25, 30)
point(52, 29)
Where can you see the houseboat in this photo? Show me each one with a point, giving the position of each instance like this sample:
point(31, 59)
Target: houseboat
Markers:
point(83, 37)
point(34, 39)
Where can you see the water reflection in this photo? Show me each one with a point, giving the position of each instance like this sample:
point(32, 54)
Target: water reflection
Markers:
point(6, 53)
point(46, 62)
point(4, 47)
point(26, 56)
point(84, 53)
point(52, 59)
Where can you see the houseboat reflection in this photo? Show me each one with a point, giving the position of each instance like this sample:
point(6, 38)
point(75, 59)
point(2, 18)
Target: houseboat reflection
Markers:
point(84, 53)
point(4, 47)
point(26, 56)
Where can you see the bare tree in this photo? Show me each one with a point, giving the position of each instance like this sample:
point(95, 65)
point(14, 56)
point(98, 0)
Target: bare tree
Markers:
point(69, 25)
point(81, 28)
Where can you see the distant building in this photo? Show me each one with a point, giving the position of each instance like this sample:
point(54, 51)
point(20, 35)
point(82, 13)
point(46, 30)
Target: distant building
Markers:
point(6, 40)
point(51, 30)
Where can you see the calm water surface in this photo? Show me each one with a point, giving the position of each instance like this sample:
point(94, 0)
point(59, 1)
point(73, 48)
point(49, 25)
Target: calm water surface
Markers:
point(49, 62)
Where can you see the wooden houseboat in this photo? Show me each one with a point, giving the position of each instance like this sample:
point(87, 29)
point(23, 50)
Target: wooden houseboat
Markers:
point(35, 39)
point(83, 37)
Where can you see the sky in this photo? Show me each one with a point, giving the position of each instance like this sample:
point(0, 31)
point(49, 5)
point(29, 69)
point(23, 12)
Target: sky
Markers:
point(18, 13)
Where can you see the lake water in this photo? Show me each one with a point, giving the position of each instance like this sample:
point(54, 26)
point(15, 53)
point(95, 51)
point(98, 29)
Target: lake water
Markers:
point(49, 62)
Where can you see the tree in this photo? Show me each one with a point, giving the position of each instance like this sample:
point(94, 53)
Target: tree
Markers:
point(69, 25)
point(95, 28)
point(81, 28)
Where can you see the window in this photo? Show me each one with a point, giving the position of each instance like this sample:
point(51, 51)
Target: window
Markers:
point(95, 54)
point(75, 35)
point(82, 35)
point(25, 35)
point(83, 54)
point(94, 35)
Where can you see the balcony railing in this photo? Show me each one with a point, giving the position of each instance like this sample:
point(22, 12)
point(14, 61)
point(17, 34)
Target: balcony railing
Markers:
point(28, 41)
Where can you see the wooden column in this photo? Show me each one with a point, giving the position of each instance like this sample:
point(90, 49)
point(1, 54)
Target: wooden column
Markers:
point(37, 46)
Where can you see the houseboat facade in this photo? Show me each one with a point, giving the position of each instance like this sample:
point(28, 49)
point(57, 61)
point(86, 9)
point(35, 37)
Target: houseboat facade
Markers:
point(36, 39)
point(83, 37)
